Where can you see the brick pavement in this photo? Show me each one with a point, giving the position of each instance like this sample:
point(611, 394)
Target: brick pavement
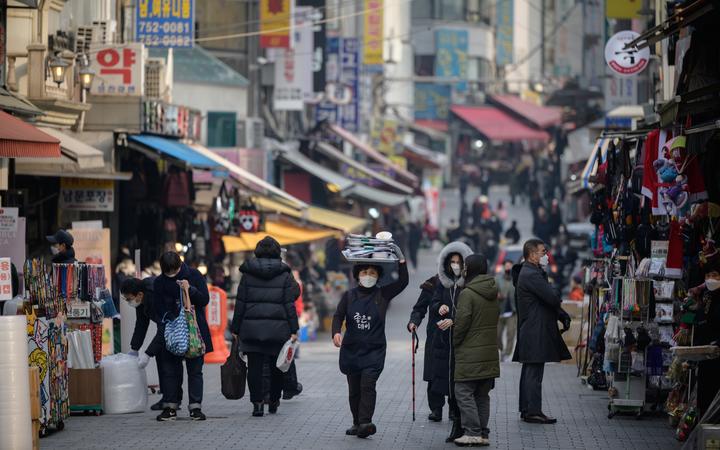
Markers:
point(317, 418)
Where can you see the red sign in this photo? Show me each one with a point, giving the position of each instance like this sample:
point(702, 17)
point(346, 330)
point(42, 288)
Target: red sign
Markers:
point(120, 69)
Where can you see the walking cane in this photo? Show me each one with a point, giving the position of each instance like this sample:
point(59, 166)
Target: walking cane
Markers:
point(413, 349)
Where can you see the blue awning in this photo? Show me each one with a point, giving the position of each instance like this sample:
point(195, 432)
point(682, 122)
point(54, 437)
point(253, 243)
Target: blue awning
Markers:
point(597, 158)
point(176, 150)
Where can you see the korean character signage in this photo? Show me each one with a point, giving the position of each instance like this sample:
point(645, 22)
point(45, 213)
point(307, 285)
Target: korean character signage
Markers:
point(8, 219)
point(275, 26)
point(120, 69)
point(79, 194)
point(328, 110)
point(5, 279)
point(504, 34)
point(373, 35)
point(165, 23)
point(319, 41)
point(350, 76)
point(451, 47)
point(293, 80)
point(432, 101)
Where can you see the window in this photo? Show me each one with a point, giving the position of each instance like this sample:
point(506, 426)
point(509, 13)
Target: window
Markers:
point(425, 65)
point(221, 129)
point(422, 9)
point(452, 10)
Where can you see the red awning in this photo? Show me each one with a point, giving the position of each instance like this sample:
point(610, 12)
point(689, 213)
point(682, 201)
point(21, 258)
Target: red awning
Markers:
point(437, 125)
point(496, 125)
point(540, 116)
point(19, 139)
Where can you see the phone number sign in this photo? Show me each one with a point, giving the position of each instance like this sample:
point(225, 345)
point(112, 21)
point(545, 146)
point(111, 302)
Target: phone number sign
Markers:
point(165, 23)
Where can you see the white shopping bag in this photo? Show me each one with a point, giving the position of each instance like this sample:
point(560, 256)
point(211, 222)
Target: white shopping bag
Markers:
point(286, 356)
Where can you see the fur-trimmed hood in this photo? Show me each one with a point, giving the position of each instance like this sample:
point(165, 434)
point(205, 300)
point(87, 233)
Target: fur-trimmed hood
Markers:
point(453, 247)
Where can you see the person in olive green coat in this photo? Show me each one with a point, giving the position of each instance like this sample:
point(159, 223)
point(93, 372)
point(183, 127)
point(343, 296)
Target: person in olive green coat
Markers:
point(477, 362)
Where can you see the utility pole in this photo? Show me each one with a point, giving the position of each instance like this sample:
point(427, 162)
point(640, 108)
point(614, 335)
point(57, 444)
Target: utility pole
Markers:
point(253, 70)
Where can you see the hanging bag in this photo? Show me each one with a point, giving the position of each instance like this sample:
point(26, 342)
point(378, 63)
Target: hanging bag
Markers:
point(286, 356)
point(196, 345)
point(177, 340)
point(233, 374)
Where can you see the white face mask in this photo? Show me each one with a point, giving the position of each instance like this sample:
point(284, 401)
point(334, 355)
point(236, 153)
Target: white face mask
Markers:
point(368, 281)
point(544, 261)
point(54, 250)
point(455, 268)
point(712, 284)
point(133, 303)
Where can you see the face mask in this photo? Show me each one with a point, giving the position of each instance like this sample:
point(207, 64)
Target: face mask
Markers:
point(544, 261)
point(712, 284)
point(367, 281)
point(54, 250)
point(133, 303)
point(455, 268)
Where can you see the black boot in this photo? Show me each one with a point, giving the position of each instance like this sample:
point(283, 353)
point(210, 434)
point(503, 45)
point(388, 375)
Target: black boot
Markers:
point(258, 409)
point(366, 429)
point(455, 432)
point(272, 409)
point(435, 415)
point(352, 431)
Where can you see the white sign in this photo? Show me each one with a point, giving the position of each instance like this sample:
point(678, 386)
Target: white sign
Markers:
point(5, 279)
point(119, 69)
point(625, 62)
point(80, 194)
point(213, 310)
point(8, 219)
point(620, 92)
point(293, 66)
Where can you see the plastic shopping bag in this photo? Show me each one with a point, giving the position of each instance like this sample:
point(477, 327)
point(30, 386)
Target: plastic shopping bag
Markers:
point(233, 375)
point(286, 356)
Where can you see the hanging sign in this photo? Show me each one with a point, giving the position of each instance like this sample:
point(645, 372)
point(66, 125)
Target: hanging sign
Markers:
point(373, 35)
point(81, 194)
point(170, 23)
point(293, 80)
point(275, 23)
point(626, 62)
point(5, 279)
point(120, 69)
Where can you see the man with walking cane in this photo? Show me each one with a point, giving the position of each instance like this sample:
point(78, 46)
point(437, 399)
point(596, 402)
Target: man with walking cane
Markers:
point(414, 343)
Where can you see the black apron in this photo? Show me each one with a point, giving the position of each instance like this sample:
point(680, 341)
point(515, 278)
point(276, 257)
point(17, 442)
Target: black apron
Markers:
point(364, 344)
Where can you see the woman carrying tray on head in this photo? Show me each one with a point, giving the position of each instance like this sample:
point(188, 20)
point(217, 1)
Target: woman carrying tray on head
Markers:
point(362, 349)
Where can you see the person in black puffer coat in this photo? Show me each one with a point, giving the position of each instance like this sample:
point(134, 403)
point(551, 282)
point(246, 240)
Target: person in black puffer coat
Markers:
point(265, 318)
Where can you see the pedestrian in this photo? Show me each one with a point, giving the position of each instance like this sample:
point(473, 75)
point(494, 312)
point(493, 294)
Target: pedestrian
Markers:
point(167, 288)
point(421, 308)
point(464, 182)
point(542, 228)
point(451, 263)
point(539, 339)
point(139, 295)
point(476, 353)
point(415, 235)
point(265, 318)
point(362, 349)
point(513, 234)
point(61, 247)
point(507, 326)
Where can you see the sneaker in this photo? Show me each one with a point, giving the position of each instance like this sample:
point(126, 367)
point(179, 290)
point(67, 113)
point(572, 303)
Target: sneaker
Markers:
point(366, 429)
point(157, 406)
point(168, 414)
point(471, 441)
point(197, 414)
point(352, 431)
point(435, 416)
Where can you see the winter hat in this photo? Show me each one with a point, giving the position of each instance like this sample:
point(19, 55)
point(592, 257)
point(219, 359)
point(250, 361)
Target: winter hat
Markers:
point(268, 248)
point(476, 264)
point(360, 267)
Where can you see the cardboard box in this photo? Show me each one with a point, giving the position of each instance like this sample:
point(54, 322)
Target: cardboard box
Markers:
point(36, 434)
point(34, 373)
point(85, 387)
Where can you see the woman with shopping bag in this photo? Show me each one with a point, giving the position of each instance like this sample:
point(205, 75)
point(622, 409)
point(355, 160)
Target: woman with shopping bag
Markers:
point(362, 348)
point(265, 319)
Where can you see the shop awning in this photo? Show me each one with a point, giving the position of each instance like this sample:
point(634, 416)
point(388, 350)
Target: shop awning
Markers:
point(597, 157)
point(176, 150)
point(85, 156)
point(329, 176)
point(284, 233)
point(336, 154)
point(624, 116)
point(20, 139)
point(440, 126)
point(372, 153)
point(424, 156)
point(246, 177)
point(17, 104)
point(376, 196)
point(540, 116)
point(320, 216)
point(65, 167)
point(497, 125)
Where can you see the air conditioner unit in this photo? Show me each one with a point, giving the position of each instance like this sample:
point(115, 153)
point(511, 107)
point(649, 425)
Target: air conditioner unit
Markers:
point(106, 31)
point(84, 37)
point(155, 85)
point(250, 132)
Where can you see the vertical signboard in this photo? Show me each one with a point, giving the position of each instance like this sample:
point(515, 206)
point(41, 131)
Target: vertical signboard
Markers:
point(432, 101)
point(120, 69)
point(451, 47)
point(293, 82)
point(275, 23)
point(373, 33)
point(349, 57)
point(504, 35)
point(318, 16)
point(327, 110)
point(168, 23)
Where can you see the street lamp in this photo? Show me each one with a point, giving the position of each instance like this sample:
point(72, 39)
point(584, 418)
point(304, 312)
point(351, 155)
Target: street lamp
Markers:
point(57, 68)
point(87, 74)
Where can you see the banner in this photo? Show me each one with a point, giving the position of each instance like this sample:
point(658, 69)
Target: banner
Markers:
point(327, 110)
point(120, 69)
point(9, 220)
point(373, 33)
point(170, 23)
point(432, 101)
point(319, 41)
point(85, 194)
point(350, 76)
point(504, 34)
point(275, 23)
point(451, 47)
point(293, 80)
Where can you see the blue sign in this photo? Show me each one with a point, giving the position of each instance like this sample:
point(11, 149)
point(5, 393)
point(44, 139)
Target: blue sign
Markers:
point(327, 110)
point(451, 57)
point(165, 23)
point(350, 75)
point(432, 101)
point(504, 34)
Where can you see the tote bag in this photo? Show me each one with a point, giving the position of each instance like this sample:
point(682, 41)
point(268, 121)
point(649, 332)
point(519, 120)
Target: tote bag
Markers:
point(177, 339)
point(233, 375)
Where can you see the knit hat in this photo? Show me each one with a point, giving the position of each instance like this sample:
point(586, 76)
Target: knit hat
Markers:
point(268, 248)
point(360, 267)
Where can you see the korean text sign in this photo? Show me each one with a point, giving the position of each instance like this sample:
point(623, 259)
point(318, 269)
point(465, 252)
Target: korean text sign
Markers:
point(373, 36)
point(5, 279)
point(275, 23)
point(120, 69)
point(451, 48)
point(432, 101)
point(79, 194)
point(165, 23)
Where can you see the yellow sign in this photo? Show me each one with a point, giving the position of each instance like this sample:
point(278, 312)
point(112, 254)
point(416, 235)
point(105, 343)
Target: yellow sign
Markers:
point(373, 36)
point(623, 9)
point(385, 136)
point(399, 161)
point(275, 23)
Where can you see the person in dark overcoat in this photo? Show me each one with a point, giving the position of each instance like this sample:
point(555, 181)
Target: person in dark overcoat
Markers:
point(539, 338)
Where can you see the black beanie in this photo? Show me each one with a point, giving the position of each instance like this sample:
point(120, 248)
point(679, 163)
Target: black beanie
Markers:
point(475, 264)
point(360, 267)
point(268, 248)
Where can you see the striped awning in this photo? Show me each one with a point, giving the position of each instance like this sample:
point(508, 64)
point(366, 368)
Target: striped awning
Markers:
point(19, 139)
point(597, 157)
